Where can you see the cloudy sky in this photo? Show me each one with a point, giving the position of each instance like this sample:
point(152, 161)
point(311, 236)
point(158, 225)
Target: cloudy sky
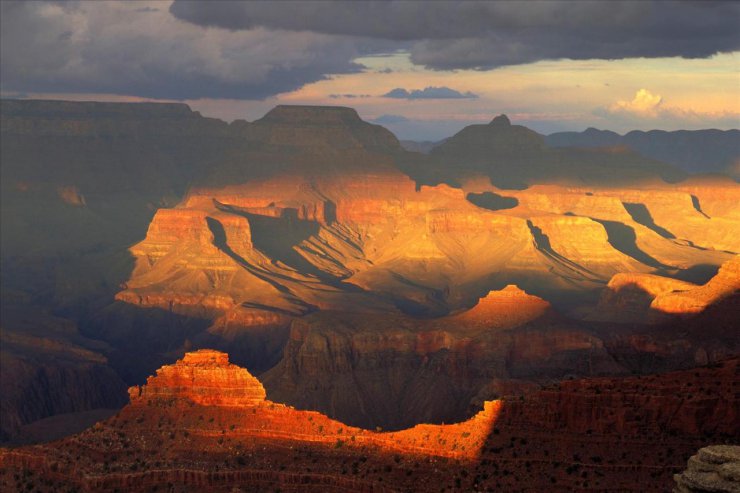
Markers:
point(423, 69)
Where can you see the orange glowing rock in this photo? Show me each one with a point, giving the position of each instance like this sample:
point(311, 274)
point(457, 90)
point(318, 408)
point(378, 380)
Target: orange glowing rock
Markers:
point(204, 377)
point(682, 302)
point(506, 308)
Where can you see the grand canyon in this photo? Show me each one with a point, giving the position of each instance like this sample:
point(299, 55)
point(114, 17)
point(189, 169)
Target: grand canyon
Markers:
point(311, 300)
point(315, 251)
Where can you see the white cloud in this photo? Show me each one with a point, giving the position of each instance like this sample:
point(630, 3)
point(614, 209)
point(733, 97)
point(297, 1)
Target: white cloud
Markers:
point(648, 111)
point(644, 103)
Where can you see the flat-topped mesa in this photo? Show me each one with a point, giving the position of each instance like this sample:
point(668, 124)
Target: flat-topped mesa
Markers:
point(41, 118)
point(324, 130)
point(505, 309)
point(313, 115)
point(204, 377)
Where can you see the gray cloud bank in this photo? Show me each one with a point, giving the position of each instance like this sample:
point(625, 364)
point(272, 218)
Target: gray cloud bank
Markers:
point(123, 48)
point(429, 93)
point(483, 35)
point(254, 50)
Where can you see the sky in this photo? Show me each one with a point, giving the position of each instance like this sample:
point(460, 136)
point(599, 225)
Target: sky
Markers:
point(422, 69)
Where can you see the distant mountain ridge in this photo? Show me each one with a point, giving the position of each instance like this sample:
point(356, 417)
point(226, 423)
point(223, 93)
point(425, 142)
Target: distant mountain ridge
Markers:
point(514, 156)
point(695, 151)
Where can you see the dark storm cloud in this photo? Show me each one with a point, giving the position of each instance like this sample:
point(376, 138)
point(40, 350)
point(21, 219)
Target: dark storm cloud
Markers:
point(452, 35)
point(130, 49)
point(429, 93)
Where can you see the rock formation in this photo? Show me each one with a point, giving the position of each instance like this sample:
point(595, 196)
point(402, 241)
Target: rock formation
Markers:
point(203, 377)
point(310, 244)
point(715, 468)
point(505, 309)
point(179, 432)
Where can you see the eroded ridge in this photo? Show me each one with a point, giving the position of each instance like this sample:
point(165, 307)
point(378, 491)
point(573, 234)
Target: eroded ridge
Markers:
point(631, 434)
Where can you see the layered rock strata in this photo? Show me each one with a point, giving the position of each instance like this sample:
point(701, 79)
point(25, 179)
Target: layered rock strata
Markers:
point(712, 469)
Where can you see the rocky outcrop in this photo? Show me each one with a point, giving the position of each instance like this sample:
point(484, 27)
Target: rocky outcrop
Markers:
point(203, 377)
point(712, 469)
point(628, 296)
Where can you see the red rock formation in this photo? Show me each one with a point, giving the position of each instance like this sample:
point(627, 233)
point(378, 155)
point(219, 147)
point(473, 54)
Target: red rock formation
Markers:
point(204, 377)
point(629, 433)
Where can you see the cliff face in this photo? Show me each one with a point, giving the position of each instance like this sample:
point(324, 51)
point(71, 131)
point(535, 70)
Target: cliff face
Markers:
point(628, 433)
point(648, 405)
point(305, 250)
point(371, 370)
point(179, 431)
